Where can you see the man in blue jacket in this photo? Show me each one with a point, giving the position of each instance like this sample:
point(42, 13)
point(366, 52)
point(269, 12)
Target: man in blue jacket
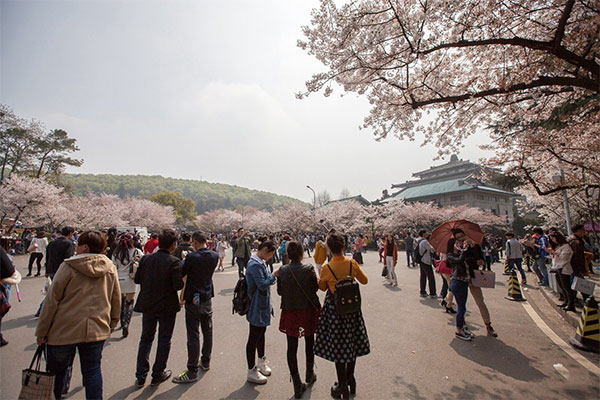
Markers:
point(539, 264)
point(199, 267)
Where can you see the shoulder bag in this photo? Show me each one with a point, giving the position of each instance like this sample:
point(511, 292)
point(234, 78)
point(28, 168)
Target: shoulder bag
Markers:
point(36, 384)
point(318, 308)
point(347, 293)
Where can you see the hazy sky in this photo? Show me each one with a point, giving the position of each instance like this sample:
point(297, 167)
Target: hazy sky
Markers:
point(195, 89)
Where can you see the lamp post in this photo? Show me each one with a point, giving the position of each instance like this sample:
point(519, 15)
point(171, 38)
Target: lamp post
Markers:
point(314, 197)
point(560, 179)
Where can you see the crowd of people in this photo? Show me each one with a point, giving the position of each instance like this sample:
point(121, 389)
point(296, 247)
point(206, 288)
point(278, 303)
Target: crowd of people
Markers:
point(95, 276)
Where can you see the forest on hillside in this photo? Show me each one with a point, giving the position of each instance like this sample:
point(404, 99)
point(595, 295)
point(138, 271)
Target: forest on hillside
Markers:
point(207, 196)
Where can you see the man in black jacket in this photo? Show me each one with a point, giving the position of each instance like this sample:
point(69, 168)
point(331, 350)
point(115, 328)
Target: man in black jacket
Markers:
point(59, 250)
point(159, 277)
point(185, 245)
point(198, 267)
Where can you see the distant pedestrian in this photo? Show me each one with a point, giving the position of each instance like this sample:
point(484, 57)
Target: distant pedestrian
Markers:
point(151, 244)
point(297, 285)
point(259, 281)
point(80, 311)
point(541, 245)
point(37, 248)
point(243, 250)
point(562, 254)
point(514, 255)
point(426, 251)
point(222, 247)
point(409, 244)
point(159, 277)
point(199, 267)
point(184, 247)
point(390, 249)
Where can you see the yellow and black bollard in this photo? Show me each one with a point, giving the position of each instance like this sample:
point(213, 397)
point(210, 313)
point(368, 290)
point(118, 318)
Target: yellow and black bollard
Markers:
point(514, 288)
point(588, 333)
point(506, 269)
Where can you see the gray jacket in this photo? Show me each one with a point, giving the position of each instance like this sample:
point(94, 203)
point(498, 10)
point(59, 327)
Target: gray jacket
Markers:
point(426, 250)
point(513, 249)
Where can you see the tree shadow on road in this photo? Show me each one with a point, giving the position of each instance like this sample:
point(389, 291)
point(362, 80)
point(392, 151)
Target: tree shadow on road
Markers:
point(496, 355)
point(248, 391)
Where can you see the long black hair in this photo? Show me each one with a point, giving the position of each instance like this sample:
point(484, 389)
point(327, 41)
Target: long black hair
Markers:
point(121, 252)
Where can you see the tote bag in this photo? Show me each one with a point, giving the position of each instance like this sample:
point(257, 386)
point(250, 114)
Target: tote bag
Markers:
point(484, 279)
point(36, 384)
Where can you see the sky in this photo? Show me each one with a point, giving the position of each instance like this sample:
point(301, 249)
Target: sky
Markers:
point(197, 90)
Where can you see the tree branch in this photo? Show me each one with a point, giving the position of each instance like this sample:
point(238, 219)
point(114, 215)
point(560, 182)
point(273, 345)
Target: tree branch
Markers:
point(560, 30)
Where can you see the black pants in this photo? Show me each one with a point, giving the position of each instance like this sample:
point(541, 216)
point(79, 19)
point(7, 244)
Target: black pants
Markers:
point(427, 274)
point(165, 323)
point(564, 282)
point(292, 352)
point(198, 316)
point(256, 343)
point(37, 257)
point(345, 373)
point(242, 263)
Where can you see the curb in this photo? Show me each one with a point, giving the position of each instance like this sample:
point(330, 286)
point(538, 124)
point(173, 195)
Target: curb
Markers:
point(572, 319)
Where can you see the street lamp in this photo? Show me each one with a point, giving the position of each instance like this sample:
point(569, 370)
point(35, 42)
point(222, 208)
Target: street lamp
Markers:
point(314, 197)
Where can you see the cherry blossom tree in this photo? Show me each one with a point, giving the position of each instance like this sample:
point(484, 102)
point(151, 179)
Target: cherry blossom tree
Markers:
point(294, 218)
point(345, 216)
point(529, 72)
point(222, 221)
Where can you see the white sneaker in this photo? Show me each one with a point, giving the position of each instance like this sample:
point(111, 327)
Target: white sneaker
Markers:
point(263, 367)
point(255, 376)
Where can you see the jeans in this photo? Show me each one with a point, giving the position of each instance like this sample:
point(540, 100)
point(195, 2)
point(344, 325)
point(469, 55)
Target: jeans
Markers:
point(165, 323)
point(427, 275)
point(409, 255)
point(292, 353)
point(512, 262)
point(60, 359)
point(37, 257)
point(539, 266)
point(460, 289)
point(256, 343)
point(488, 262)
point(242, 263)
point(391, 276)
point(198, 316)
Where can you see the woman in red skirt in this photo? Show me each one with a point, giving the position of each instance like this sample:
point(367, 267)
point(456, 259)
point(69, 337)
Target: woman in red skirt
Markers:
point(297, 285)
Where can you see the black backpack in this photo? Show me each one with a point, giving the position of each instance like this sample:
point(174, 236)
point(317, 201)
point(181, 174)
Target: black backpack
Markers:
point(417, 256)
point(241, 301)
point(347, 294)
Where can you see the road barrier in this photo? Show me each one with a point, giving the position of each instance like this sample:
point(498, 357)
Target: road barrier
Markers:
point(514, 288)
point(587, 337)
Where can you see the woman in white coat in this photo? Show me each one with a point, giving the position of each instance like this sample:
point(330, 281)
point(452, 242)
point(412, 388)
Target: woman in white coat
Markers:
point(126, 257)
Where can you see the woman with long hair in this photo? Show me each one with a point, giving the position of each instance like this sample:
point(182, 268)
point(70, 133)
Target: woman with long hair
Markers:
point(38, 246)
point(297, 285)
point(561, 266)
point(125, 257)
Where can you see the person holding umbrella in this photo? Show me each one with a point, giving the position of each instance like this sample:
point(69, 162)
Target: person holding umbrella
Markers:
point(459, 283)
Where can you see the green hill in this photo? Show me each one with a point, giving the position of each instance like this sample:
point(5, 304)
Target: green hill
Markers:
point(208, 196)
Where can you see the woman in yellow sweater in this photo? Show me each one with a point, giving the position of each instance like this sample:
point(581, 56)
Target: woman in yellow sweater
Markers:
point(340, 338)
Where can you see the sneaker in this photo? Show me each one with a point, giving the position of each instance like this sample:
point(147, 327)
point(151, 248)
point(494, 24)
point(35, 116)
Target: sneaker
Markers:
point(433, 296)
point(160, 379)
point(462, 335)
point(450, 310)
point(3, 342)
point(186, 377)
point(468, 331)
point(263, 367)
point(254, 376)
point(139, 382)
point(205, 365)
point(423, 295)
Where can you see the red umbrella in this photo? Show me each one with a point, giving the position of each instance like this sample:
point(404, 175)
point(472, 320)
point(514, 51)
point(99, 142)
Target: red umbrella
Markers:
point(440, 235)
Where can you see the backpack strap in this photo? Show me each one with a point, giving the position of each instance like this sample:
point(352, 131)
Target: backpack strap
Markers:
point(350, 275)
point(330, 270)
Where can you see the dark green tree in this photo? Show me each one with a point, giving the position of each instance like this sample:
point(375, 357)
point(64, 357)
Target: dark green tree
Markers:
point(183, 207)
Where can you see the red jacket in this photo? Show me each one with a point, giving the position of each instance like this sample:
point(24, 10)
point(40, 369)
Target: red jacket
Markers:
point(395, 251)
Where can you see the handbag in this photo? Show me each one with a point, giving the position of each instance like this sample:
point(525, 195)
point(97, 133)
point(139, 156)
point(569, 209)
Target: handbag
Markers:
point(4, 304)
point(303, 292)
point(133, 266)
point(32, 246)
point(384, 272)
point(347, 294)
point(37, 384)
point(441, 267)
point(484, 279)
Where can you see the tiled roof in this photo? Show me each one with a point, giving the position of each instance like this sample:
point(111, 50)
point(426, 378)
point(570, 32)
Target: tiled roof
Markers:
point(436, 188)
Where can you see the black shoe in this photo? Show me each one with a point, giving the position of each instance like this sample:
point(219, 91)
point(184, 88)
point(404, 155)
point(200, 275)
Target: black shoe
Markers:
point(423, 295)
point(3, 342)
point(299, 387)
point(38, 274)
point(338, 392)
point(450, 310)
point(444, 303)
point(125, 332)
point(37, 314)
point(29, 274)
point(563, 305)
point(352, 385)
point(158, 380)
point(205, 365)
point(139, 382)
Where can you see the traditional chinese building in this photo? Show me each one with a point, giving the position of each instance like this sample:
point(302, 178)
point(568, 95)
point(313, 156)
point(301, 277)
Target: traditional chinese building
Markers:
point(455, 183)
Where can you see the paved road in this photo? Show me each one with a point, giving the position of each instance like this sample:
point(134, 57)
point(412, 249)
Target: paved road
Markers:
point(414, 352)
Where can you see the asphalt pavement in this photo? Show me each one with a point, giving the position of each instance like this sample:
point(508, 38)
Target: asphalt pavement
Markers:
point(414, 354)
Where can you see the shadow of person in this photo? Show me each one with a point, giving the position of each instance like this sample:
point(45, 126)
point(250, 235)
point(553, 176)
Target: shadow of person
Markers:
point(430, 302)
point(28, 321)
point(226, 292)
point(248, 391)
point(496, 355)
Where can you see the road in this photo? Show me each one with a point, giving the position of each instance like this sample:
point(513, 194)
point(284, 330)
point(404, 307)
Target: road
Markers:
point(414, 354)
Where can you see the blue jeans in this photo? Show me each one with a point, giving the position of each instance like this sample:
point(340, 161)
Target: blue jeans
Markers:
point(512, 262)
point(460, 289)
point(444, 291)
point(539, 266)
point(165, 323)
point(60, 359)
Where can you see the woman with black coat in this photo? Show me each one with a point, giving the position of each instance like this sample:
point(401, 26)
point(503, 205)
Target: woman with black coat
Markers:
point(297, 285)
point(460, 278)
